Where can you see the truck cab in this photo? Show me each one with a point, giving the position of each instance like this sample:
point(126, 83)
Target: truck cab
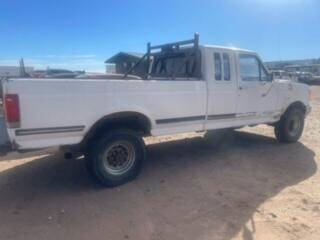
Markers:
point(240, 89)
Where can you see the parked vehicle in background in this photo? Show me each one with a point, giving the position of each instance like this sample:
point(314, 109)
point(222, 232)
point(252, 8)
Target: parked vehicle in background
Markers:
point(305, 77)
point(106, 76)
point(38, 73)
point(60, 73)
point(280, 74)
point(56, 73)
point(316, 79)
point(79, 72)
point(186, 88)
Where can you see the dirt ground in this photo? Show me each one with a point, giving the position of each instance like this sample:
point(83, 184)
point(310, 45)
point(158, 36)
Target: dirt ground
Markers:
point(248, 187)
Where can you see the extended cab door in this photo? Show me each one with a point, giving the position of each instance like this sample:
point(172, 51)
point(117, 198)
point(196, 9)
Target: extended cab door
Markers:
point(222, 87)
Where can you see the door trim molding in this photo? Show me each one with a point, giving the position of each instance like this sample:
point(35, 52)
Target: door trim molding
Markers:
point(35, 131)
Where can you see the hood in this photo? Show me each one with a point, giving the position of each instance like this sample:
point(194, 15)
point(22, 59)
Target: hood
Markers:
point(293, 83)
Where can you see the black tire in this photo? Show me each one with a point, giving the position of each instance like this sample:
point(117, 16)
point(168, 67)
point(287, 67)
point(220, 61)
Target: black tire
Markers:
point(116, 158)
point(284, 129)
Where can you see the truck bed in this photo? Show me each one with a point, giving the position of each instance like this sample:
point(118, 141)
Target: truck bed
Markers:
point(50, 104)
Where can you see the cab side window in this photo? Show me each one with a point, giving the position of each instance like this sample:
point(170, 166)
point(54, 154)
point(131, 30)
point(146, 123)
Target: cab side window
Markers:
point(217, 66)
point(251, 69)
point(226, 66)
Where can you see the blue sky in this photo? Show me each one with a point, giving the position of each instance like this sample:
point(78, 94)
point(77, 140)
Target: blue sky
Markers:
point(82, 34)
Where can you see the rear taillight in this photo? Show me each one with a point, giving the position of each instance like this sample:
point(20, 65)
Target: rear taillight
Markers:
point(12, 110)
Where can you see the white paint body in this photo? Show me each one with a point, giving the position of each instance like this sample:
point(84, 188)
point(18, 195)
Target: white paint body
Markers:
point(50, 103)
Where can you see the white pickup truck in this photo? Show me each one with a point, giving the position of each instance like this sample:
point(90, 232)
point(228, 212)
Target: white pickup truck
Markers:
point(187, 87)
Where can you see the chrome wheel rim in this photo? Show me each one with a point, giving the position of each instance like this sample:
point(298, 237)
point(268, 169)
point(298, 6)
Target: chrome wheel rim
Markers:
point(119, 158)
point(294, 125)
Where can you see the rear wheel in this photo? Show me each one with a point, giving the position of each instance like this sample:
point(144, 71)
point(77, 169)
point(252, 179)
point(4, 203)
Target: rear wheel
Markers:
point(290, 127)
point(116, 158)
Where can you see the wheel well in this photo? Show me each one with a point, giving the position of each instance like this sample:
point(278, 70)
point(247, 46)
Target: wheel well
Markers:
point(130, 120)
point(298, 105)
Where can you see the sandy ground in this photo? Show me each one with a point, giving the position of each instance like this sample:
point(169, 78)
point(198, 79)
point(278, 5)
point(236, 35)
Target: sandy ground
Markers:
point(248, 187)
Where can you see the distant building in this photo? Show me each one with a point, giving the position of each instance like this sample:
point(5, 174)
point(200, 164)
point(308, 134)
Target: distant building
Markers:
point(280, 65)
point(111, 68)
point(13, 71)
point(123, 61)
point(310, 68)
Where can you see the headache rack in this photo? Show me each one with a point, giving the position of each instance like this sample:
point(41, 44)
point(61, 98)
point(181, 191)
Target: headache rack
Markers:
point(168, 49)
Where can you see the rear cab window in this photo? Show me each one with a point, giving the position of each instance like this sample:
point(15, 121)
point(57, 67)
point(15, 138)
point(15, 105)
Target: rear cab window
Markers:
point(217, 67)
point(226, 67)
point(222, 66)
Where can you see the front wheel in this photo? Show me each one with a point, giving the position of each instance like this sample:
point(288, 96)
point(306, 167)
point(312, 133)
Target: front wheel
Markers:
point(116, 158)
point(290, 127)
